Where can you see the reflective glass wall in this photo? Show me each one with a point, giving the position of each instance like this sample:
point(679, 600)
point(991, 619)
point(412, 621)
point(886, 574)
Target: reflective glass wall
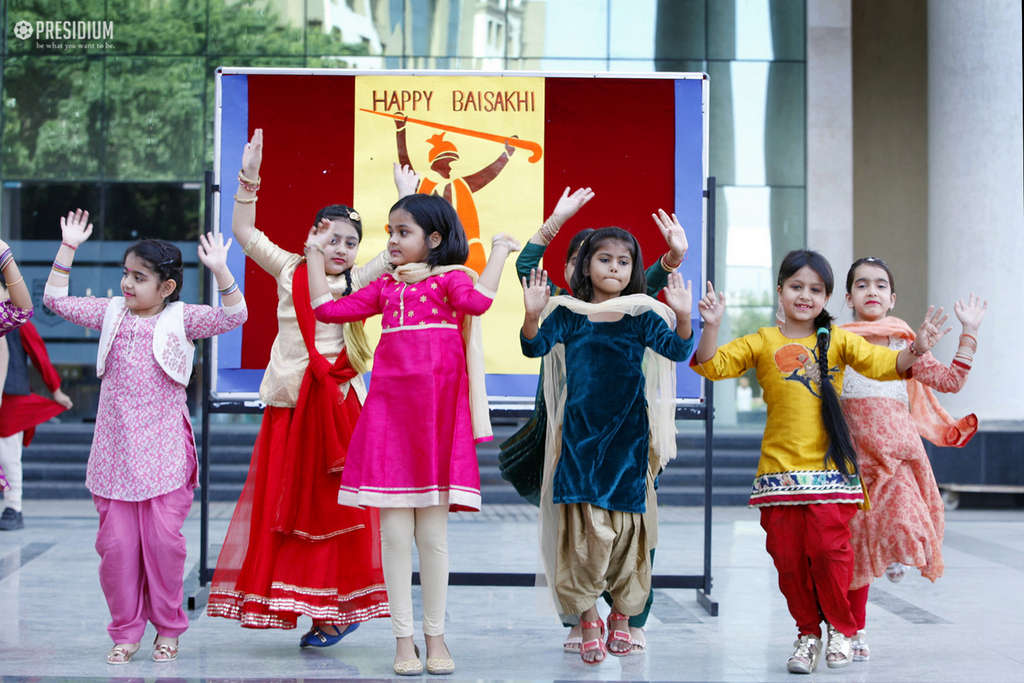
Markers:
point(108, 105)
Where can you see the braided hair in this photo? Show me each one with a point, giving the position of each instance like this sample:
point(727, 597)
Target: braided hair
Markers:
point(164, 259)
point(840, 446)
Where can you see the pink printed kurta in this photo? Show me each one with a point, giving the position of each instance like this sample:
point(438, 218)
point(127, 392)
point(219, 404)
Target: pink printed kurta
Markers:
point(906, 520)
point(143, 442)
point(413, 445)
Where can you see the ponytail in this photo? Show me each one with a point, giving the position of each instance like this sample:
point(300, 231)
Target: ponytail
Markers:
point(840, 444)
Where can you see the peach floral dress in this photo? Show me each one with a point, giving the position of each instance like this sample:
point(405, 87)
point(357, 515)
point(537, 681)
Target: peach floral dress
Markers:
point(906, 520)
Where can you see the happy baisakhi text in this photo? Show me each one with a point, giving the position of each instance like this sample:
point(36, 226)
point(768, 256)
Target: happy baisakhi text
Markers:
point(462, 100)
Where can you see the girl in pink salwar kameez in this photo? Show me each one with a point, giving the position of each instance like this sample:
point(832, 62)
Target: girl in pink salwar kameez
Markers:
point(903, 527)
point(142, 466)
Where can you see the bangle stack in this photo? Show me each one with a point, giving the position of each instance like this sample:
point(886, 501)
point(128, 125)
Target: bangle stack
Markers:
point(971, 343)
point(668, 265)
point(6, 259)
point(249, 183)
point(230, 289)
point(546, 233)
point(60, 269)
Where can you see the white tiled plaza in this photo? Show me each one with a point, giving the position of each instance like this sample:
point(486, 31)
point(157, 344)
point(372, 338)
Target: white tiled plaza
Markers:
point(966, 627)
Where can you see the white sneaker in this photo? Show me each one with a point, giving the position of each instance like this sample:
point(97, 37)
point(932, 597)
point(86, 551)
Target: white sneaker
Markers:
point(896, 571)
point(805, 658)
point(839, 649)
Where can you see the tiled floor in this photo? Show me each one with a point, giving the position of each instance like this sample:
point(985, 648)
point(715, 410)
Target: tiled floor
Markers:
point(969, 626)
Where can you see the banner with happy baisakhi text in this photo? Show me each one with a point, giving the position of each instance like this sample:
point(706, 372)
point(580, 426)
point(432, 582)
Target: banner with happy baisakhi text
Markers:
point(330, 137)
point(453, 133)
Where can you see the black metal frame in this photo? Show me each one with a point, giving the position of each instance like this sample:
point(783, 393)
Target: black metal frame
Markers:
point(701, 582)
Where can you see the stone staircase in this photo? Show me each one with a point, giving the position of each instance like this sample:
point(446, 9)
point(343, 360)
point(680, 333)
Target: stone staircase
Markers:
point(54, 465)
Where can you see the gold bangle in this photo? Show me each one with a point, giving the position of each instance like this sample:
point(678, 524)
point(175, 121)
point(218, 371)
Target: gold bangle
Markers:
point(245, 200)
point(18, 281)
point(306, 247)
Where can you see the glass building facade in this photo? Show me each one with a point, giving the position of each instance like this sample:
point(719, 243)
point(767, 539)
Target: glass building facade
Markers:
point(109, 105)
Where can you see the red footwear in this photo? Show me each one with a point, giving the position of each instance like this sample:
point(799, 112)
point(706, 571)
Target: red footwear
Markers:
point(618, 636)
point(595, 644)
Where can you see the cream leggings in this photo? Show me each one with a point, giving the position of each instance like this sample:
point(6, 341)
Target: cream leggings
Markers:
point(429, 526)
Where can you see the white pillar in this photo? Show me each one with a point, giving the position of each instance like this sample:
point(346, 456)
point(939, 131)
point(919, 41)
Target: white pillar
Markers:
point(976, 192)
point(830, 137)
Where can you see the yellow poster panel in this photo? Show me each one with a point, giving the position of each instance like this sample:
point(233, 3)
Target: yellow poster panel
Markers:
point(478, 141)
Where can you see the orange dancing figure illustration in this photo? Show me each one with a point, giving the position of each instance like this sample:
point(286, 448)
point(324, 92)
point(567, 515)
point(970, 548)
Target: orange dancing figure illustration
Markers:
point(457, 190)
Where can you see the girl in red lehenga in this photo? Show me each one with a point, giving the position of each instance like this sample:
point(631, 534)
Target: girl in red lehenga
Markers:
point(887, 420)
point(291, 549)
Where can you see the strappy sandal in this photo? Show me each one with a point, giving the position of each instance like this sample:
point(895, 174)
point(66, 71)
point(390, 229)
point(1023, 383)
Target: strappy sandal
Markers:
point(804, 659)
point(572, 644)
point(896, 571)
point(119, 655)
point(595, 644)
point(164, 652)
point(838, 653)
point(859, 647)
point(617, 636)
point(639, 646)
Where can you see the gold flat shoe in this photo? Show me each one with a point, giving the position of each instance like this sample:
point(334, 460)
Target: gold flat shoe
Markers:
point(440, 666)
point(410, 667)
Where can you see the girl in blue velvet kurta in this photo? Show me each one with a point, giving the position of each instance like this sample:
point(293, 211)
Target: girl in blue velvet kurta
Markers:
point(600, 484)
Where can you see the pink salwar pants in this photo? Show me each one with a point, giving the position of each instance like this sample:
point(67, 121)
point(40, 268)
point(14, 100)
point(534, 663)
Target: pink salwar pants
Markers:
point(142, 563)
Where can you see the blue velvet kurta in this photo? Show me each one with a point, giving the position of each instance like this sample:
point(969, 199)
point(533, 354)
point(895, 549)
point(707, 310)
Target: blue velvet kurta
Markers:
point(605, 431)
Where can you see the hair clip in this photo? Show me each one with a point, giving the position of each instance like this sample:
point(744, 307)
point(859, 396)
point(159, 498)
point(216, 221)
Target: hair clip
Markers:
point(353, 215)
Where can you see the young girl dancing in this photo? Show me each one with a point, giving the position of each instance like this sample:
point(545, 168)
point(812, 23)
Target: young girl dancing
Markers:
point(291, 550)
point(600, 525)
point(522, 455)
point(17, 309)
point(142, 466)
point(23, 410)
point(887, 420)
point(412, 454)
point(807, 484)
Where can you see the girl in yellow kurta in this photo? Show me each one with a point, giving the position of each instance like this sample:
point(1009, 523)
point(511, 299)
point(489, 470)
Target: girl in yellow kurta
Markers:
point(807, 484)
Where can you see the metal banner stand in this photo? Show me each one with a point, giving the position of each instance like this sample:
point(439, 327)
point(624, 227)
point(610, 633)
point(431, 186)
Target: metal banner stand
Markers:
point(701, 582)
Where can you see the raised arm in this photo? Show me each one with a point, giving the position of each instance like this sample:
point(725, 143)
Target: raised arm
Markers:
point(16, 287)
point(928, 335)
point(535, 297)
point(243, 217)
point(712, 309)
point(502, 245)
point(679, 297)
point(213, 253)
point(675, 238)
point(75, 229)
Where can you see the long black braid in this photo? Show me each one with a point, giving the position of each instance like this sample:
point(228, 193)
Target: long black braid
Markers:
point(840, 443)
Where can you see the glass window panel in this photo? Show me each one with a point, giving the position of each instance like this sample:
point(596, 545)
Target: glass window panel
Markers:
point(681, 65)
point(257, 27)
point(631, 65)
point(151, 210)
point(53, 131)
point(571, 30)
point(634, 25)
point(155, 117)
point(53, 38)
point(680, 30)
point(166, 27)
point(569, 65)
point(345, 32)
point(32, 210)
point(758, 123)
point(756, 29)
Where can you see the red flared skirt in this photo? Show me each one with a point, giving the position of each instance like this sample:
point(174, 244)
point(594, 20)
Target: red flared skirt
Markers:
point(266, 578)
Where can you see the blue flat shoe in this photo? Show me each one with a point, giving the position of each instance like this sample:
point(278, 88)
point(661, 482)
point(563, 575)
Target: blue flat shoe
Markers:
point(317, 638)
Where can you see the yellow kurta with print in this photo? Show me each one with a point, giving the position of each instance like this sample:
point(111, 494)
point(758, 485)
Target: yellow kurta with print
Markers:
point(792, 468)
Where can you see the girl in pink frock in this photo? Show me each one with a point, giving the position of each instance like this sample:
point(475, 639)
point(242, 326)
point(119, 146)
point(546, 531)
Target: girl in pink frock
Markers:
point(412, 453)
point(142, 466)
point(887, 420)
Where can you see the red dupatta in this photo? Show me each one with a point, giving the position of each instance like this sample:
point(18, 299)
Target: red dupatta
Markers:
point(318, 437)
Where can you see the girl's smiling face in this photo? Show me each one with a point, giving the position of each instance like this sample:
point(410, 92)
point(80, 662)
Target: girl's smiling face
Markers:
point(408, 242)
point(870, 296)
point(143, 292)
point(340, 251)
point(803, 296)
